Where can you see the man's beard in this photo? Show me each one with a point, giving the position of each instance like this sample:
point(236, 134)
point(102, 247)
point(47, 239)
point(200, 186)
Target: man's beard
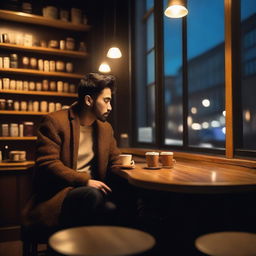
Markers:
point(103, 117)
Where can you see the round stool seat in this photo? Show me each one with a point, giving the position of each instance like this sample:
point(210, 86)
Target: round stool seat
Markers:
point(101, 240)
point(227, 244)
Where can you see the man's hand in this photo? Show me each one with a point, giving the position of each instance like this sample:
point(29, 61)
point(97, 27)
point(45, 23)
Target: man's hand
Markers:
point(99, 185)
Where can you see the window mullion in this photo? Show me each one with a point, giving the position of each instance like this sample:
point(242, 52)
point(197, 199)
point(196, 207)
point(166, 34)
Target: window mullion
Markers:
point(185, 83)
point(159, 72)
point(228, 80)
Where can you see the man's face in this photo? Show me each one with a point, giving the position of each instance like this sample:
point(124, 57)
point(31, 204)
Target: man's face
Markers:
point(102, 106)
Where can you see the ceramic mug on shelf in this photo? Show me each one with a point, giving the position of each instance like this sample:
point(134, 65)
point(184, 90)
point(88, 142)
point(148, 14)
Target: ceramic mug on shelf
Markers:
point(50, 12)
point(43, 106)
point(36, 106)
point(76, 15)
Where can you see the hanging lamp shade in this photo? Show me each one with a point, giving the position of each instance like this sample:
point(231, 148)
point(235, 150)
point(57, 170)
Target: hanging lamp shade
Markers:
point(104, 67)
point(176, 9)
point(114, 53)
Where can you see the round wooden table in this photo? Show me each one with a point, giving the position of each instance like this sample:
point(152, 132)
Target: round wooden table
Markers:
point(188, 176)
point(227, 244)
point(101, 240)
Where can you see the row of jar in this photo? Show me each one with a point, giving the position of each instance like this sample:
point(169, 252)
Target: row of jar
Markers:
point(74, 15)
point(14, 156)
point(34, 63)
point(36, 106)
point(15, 37)
point(45, 85)
point(24, 129)
point(28, 40)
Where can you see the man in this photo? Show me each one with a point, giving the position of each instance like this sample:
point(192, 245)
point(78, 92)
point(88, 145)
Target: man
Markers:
point(75, 150)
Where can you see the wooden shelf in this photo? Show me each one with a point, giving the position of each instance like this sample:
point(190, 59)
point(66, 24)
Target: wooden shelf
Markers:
point(18, 138)
point(43, 50)
point(12, 112)
point(40, 20)
point(33, 72)
point(41, 93)
point(15, 166)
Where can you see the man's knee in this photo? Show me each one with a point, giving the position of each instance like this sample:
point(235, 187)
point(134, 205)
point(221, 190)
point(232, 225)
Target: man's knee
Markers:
point(83, 197)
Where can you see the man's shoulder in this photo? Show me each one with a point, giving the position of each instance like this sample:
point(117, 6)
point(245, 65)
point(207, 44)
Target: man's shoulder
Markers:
point(60, 116)
point(104, 125)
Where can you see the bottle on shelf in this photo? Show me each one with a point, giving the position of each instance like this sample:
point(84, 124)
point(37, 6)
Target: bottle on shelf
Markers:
point(5, 154)
point(26, 6)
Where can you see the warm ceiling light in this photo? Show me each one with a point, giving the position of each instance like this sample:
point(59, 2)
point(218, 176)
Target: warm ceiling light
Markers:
point(176, 9)
point(104, 67)
point(114, 53)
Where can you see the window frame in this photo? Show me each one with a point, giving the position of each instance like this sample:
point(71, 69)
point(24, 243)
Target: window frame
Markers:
point(232, 87)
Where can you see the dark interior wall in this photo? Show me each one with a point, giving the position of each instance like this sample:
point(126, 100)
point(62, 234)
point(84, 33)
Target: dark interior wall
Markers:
point(101, 17)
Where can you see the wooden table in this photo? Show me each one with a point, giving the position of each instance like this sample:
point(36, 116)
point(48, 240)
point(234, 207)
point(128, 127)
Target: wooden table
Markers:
point(101, 240)
point(188, 176)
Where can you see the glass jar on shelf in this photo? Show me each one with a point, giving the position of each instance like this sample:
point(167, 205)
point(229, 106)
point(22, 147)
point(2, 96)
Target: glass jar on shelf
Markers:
point(13, 60)
point(28, 129)
point(9, 105)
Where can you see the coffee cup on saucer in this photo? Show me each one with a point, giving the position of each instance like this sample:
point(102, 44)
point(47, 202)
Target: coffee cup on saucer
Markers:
point(126, 160)
point(166, 158)
point(152, 160)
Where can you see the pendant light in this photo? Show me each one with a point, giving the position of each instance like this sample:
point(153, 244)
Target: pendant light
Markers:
point(104, 67)
point(114, 52)
point(176, 9)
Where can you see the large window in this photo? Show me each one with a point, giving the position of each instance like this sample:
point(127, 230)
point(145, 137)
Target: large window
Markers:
point(205, 68)
point(172, 39)
point(248, 73)
point(180, 71)
point(145, 71)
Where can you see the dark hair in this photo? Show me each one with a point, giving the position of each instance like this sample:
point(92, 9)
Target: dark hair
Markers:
point(93, 83)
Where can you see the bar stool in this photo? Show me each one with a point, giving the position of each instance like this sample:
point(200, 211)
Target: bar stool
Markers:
point(100, 241)
point(227, 244)
point(33, 237)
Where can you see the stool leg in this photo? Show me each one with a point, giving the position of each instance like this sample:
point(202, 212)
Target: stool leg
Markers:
point(34, 249)
point(26, 248)
point(29, 248)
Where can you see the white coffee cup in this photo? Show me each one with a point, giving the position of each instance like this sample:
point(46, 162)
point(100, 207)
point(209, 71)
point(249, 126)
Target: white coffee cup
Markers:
point(126, 159)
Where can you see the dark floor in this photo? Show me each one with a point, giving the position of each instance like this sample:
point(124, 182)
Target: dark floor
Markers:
point(14, 248)
point(176, 221)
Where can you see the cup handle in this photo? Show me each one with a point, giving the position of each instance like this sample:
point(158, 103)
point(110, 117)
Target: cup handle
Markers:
point(132, 162)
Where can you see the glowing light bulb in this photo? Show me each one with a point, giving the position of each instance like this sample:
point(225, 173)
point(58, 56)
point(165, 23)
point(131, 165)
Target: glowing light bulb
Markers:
point(114, 53)
point(176, 11)
point(104, 67)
